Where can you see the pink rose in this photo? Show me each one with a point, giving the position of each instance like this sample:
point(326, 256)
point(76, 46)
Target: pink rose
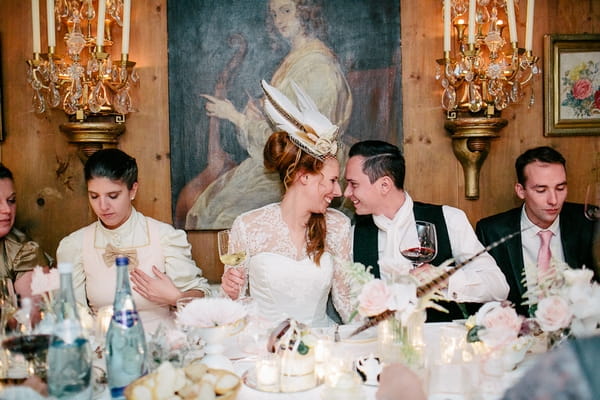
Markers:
point(553, 313)
point(502, 324)
point(374, 298)
point(582, 89)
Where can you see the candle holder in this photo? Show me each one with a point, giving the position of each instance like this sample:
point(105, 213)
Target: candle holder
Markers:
point(480, 78)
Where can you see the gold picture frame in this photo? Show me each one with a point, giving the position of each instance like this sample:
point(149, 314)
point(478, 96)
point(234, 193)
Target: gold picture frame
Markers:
point(572, 85)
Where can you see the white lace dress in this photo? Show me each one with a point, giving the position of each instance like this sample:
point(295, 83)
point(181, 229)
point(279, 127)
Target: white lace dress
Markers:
point(285, 283)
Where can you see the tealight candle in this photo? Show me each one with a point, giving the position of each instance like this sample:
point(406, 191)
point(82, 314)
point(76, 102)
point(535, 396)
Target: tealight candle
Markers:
point(267, 373)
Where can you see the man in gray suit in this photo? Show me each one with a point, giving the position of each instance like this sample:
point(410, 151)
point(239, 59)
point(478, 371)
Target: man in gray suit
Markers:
point(542, 185)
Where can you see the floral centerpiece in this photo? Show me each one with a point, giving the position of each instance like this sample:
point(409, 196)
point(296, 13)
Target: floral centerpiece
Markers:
point(563, 304)
point(394, 307)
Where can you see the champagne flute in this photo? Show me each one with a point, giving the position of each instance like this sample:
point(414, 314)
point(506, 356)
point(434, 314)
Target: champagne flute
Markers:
point(426, 249)
point(592, 202)
point(231, 257)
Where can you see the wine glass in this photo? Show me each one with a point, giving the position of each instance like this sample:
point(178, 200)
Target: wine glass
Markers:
point(592, 202)
point(34, 347)
point(426, 249)
point(230, 256)
point(8, 303)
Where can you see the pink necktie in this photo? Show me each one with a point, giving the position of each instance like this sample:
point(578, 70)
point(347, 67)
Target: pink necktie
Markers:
point(544, 254)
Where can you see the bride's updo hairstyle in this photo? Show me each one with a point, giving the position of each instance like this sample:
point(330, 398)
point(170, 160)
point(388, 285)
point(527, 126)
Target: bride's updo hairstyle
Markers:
point(281, 155)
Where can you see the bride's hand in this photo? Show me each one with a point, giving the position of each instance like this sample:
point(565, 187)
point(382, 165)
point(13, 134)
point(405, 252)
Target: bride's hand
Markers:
point(232, 281)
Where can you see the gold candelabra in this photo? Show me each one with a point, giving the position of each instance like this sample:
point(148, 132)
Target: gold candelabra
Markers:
point(92, 89)
point(482, 73)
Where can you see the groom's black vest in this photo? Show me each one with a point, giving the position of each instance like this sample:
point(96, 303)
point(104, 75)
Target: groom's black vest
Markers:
point(366, 252)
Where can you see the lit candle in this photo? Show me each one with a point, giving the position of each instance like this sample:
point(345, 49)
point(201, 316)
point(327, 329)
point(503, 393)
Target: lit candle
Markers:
point(529, 25)
point(447, 24)
point(472, 14)
point(100, 31)
point(50, 23)
point(512, 24)
point(126, 26)
point(35, 23)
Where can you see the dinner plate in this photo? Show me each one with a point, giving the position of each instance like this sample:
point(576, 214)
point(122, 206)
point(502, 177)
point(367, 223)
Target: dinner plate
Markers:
point(249, 379)
point(368, 335)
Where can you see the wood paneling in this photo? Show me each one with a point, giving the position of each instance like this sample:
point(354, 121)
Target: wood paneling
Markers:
point(53, 203)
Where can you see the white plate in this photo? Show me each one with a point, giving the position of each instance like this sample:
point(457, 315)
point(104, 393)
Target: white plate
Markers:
point(249, 379)
point(368, 335)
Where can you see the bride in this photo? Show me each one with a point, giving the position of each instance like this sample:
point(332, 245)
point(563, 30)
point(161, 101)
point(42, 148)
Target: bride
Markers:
point(294, 246)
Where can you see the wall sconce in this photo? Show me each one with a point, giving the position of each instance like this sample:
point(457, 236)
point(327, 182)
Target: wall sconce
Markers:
point(482, 75)
point(92, 90)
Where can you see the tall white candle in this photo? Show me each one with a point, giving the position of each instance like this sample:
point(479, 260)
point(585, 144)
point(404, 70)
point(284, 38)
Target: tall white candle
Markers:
point(512, 22)
point(126, 26)
point(50, 23)
point(472, 14)
point(100, 22)
point(529, 25)
point(35, 24)
point(447, 24)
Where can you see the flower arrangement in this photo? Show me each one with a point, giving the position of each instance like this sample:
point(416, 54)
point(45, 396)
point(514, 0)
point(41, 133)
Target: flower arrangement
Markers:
point(582, 85)
point(563, 303)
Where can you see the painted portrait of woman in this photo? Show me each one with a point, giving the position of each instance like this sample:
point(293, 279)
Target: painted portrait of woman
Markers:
point(296, 33)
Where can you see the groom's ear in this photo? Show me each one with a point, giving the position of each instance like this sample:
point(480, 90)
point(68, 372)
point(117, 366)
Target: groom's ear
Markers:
point(384, 184)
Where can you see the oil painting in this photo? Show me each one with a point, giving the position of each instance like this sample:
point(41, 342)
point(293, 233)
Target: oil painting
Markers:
point(344, 53)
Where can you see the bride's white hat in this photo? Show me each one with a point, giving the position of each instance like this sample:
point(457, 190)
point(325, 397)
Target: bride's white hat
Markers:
point(306, 126)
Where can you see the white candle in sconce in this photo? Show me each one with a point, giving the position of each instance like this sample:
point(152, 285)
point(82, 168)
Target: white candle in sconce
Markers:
point(512, 22)
point(447, 24)
point(126, 26)
point(472, 15)
point(35, 23)
point(529, 25)
point(50, 23)
point(100, 24)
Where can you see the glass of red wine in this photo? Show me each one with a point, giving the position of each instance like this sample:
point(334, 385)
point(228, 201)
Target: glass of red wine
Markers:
point(426, 249)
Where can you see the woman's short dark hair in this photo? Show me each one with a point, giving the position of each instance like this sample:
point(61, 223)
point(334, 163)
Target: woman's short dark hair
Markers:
point(113, 164)
point(5, 173)
point(542, 154)
point(381, 159)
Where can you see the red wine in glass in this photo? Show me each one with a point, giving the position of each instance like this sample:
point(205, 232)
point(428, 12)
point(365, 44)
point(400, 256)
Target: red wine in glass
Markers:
point(419, 255)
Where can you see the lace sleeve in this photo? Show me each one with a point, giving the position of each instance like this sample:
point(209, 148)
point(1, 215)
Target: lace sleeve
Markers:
point(339, 244)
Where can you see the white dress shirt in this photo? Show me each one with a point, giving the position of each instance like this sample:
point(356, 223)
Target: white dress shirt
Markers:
point(530, 242)
point(479, 281)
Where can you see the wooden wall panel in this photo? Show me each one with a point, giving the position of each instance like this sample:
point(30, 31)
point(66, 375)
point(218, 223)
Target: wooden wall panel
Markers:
point(53, 203)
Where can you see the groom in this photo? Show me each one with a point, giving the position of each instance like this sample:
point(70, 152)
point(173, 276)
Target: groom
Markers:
point(385, 213)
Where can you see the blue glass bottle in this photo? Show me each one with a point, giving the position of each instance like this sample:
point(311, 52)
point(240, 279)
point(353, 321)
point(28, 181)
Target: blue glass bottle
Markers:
point(69, 354)
point(125, 340)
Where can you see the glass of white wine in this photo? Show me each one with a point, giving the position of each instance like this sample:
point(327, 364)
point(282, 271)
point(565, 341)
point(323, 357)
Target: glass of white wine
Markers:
point(232, 257)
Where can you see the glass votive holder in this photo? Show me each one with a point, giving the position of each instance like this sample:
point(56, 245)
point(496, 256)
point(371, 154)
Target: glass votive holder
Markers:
point(268, 371)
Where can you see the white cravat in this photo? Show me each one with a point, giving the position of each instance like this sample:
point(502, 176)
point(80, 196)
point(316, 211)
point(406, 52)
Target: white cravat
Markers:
point(397, 232)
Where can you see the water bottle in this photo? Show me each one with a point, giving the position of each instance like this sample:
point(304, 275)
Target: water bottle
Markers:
point(69, 354)
point(125, 340)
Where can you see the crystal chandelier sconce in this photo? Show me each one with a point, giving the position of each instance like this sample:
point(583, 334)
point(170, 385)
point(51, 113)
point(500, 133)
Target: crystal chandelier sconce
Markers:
point(87, 85)
point(483, 71)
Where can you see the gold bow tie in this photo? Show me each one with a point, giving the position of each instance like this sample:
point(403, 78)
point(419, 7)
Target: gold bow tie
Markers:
point(112, 253)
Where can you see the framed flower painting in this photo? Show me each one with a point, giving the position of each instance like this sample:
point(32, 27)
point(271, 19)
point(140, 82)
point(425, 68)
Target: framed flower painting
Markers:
point(572, 85)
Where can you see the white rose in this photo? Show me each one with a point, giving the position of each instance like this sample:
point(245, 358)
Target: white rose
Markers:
point(553, 313)
point(576, 277)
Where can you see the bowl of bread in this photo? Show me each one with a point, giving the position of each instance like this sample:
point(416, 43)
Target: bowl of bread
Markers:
point(195, 381)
